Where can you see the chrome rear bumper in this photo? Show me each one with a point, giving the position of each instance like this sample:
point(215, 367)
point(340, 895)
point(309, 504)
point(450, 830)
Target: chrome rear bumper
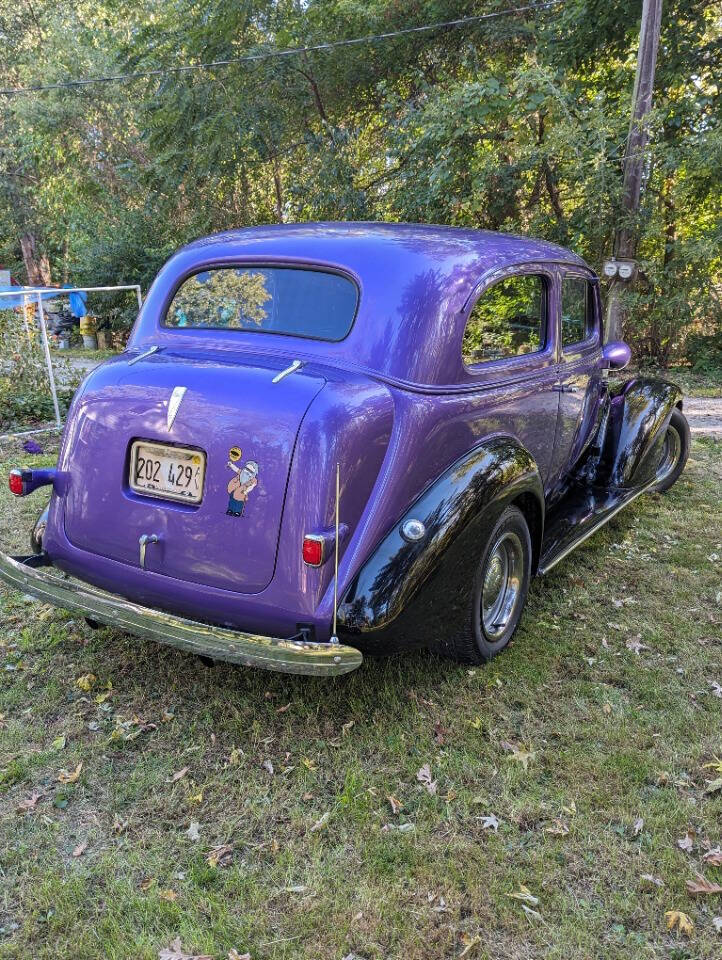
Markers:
point(220, 643)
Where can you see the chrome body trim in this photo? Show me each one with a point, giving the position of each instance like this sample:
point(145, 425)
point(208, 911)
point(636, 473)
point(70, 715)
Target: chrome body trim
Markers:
point(142, 356)
point(176, 398)
point(543, 569)
point(296, 365)
point(271, 653)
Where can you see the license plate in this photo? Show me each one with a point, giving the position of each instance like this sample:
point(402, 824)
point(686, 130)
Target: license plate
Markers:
point(173, 473)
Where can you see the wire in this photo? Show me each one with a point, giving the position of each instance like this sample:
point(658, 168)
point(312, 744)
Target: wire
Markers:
point(288, 52)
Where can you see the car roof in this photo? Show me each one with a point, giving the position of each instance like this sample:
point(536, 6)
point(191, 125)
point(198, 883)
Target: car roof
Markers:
point(414, 279)
point(432, 241)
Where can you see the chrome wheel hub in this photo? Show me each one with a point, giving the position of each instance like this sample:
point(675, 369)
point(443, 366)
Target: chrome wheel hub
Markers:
point(502, 583)
point(670, 453)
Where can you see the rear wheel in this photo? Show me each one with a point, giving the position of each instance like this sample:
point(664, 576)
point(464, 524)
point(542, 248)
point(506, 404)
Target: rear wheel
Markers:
point(674, 452)
point(498, 592)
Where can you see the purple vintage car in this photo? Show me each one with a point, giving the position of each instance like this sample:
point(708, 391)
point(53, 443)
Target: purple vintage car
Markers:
point(330, 439)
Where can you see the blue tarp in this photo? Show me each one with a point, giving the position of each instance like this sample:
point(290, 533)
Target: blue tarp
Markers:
point(31, 296)
point(78, 303)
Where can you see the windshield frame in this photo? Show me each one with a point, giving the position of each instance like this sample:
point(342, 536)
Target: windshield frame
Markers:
point(251, 263)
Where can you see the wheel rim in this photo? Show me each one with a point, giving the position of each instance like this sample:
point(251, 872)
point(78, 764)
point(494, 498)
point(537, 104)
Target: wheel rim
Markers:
point(670, 453)
point(501, 584)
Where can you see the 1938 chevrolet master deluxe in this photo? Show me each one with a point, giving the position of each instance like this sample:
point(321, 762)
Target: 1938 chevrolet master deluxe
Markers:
point(423, 409)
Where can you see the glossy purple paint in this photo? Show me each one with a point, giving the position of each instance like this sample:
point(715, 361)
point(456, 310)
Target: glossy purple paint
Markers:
point(392, 404)
point(616, 355)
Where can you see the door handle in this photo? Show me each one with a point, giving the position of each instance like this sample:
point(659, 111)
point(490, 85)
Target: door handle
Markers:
point(143, 541)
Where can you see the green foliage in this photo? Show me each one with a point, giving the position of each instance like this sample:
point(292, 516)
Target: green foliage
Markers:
point(517, 124)
point(25, 396)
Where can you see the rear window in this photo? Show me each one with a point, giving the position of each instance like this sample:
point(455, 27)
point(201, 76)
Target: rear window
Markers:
point(297, 302)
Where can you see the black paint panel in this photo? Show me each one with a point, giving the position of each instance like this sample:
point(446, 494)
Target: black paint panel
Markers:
point(405, 593)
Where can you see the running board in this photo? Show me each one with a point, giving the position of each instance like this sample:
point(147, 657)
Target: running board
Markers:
point(577, 516)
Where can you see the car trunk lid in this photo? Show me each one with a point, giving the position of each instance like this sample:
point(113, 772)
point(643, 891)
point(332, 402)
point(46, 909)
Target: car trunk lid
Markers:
point(232, 412)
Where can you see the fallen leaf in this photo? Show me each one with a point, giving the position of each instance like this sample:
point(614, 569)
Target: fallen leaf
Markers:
point(717, 924)
point(713, 786)
point(220, 856)
point(490, 822)
point(167, 716)
point(283, 709)
point(396, 805)
point(713, 857)
point(235, 757)
point(175, 952)
point(29, 804)
point(59, 742)
point(179, 775)
point(424, 776)
point(80, 849)
point(308, 764)
point(148, 883)
point(440, 734)
point(532, 914)
point(346, 728)
point(194, 831)
point(469, 943)
point(702, 886)
point(321, 822)
point(525, 894)
point(518, 753)
point(648, 878)
point(86, 682)
point(65, 777)
point(675, 918)
point(235, 955)
point(686, 843)
point(267, 765)
point(169, 895)
point(635, 645)
point(558, 828)
point(607, 709)
point(398, 827)
point(638, 826)
point(119, 826)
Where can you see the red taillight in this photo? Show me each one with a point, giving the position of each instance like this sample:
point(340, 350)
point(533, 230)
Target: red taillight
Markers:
point(313, 551)
point(15, 482)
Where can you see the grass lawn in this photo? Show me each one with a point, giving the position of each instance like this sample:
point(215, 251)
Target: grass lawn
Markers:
point(241, 810)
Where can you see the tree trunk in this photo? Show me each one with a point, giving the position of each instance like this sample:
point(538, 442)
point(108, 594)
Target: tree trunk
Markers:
point(37, 266)
point(626, 236)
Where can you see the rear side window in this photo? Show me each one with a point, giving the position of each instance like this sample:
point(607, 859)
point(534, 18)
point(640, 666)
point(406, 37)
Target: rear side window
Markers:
point(577, 311)
point(508, 320)
point(298, 302)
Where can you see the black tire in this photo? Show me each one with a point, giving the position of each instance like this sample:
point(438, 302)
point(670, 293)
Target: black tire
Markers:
point(473, 639)
point(674, 452)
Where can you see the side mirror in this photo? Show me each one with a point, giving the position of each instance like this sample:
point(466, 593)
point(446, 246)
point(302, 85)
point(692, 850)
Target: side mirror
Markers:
point(616, 355)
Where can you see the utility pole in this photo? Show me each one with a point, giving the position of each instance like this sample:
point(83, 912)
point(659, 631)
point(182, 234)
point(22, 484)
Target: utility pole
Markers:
point(626, 237)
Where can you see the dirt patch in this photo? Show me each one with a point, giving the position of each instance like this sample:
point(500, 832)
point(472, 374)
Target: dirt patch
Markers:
point(704, 415)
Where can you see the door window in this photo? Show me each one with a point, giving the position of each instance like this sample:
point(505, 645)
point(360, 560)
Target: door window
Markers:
point(577, 311)
point(508, 320)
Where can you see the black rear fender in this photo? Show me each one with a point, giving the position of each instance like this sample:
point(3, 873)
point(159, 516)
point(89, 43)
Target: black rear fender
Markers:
point(402, 595)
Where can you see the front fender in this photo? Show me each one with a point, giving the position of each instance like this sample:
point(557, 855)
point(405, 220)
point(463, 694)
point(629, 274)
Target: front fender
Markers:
point(638, 420)
point(458, 510)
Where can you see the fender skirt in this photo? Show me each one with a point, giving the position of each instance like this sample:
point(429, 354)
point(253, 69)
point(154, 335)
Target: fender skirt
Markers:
point(638, 419)
point(404, 594)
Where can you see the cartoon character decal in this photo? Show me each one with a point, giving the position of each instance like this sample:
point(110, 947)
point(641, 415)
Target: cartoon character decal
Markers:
point(244, 480)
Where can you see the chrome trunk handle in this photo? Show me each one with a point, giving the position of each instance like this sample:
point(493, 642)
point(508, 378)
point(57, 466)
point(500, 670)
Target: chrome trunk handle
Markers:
point(144, 540)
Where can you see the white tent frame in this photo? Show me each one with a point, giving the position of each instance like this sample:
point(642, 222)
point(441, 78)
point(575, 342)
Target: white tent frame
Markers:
point(41, 292)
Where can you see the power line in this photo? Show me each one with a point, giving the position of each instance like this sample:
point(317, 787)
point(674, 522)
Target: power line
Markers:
point(288, 52)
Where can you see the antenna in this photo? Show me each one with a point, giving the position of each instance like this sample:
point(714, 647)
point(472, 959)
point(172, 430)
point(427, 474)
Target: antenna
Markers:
point(334, 638)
